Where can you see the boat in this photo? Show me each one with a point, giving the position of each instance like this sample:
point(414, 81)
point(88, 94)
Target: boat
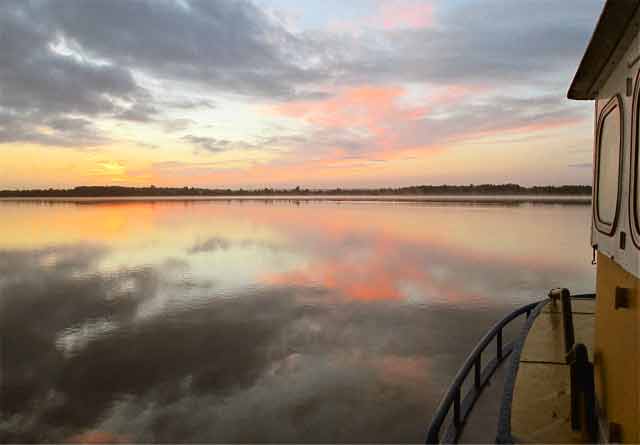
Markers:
point(564, 369)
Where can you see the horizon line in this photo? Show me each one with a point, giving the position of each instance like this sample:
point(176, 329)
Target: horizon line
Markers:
point(152, 190)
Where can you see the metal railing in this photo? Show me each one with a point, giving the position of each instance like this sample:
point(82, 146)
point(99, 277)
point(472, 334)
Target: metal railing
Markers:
point(453, 398)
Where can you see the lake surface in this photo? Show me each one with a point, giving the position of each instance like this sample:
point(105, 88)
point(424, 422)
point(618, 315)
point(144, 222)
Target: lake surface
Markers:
point(253, 321)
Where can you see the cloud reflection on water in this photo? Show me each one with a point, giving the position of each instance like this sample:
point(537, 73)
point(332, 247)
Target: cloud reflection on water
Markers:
point(343, 324)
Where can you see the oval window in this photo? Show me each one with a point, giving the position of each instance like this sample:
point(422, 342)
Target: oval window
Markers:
point(608, 173)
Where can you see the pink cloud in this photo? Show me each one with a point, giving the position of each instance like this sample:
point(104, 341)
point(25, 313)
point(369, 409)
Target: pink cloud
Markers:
point(371, 108)
point(369, 134)
point(382, 112)
point(405, 14)
point(390, 15)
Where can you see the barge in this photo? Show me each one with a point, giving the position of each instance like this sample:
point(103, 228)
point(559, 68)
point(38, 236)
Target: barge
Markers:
point(570, 374)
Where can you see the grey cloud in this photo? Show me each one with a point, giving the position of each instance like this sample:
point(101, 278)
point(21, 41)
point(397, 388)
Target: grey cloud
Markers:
point(232, 46)
point(210, 245)
point(35, 78)
point(214, 145)
point(138, 112)
point(219, 243)
point(63, 131)
point(484, 43)
point(319, 139)
point(38, 84)
point(187, 104)
point(69, 123)
point(314, 143)
point(171, 125)
point(237, 48)
point(317, 143)
point(497, 115)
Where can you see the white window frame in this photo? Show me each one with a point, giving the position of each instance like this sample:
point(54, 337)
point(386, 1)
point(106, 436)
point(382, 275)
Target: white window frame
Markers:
point(634, 209)
point(604, 227)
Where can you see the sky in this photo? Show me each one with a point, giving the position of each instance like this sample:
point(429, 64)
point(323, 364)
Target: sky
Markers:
point(282, 93)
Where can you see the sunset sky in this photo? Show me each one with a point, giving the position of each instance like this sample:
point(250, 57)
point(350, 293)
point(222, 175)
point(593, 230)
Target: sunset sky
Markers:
point(280, 93)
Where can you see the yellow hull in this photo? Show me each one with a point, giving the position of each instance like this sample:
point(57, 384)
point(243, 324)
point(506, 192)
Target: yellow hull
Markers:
point(617, 350)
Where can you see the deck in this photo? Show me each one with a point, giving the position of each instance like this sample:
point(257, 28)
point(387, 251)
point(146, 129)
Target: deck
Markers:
point(482, 424)
point(540, 410)
point(523, 394)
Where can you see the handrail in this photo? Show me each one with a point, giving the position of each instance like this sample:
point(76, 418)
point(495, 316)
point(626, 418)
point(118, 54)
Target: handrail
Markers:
point(453, 396)
point(589, 296)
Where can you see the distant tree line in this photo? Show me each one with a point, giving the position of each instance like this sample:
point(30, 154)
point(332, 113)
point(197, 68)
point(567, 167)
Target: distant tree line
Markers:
point(118, 191)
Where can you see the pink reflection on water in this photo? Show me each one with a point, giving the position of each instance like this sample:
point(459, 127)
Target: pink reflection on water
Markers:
point(363, 251)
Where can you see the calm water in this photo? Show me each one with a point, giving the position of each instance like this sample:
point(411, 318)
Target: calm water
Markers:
point(253, 321)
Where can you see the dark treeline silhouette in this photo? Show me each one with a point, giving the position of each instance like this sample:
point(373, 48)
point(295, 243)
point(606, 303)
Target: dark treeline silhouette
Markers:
point(118, 191)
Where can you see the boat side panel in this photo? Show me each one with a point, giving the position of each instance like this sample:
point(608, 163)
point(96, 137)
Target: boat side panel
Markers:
point(617, 349)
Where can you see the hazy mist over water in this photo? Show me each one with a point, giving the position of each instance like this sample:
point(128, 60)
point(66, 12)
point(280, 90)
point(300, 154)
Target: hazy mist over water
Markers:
point(254, 321)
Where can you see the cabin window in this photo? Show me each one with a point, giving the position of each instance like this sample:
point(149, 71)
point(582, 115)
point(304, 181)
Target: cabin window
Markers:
point(608, 165)
point(636, 152)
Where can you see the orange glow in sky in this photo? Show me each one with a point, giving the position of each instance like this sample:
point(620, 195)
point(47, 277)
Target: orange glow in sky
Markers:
point(351, 94)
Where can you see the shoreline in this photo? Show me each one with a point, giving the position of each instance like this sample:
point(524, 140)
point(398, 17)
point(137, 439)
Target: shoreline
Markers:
point(439, 198)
